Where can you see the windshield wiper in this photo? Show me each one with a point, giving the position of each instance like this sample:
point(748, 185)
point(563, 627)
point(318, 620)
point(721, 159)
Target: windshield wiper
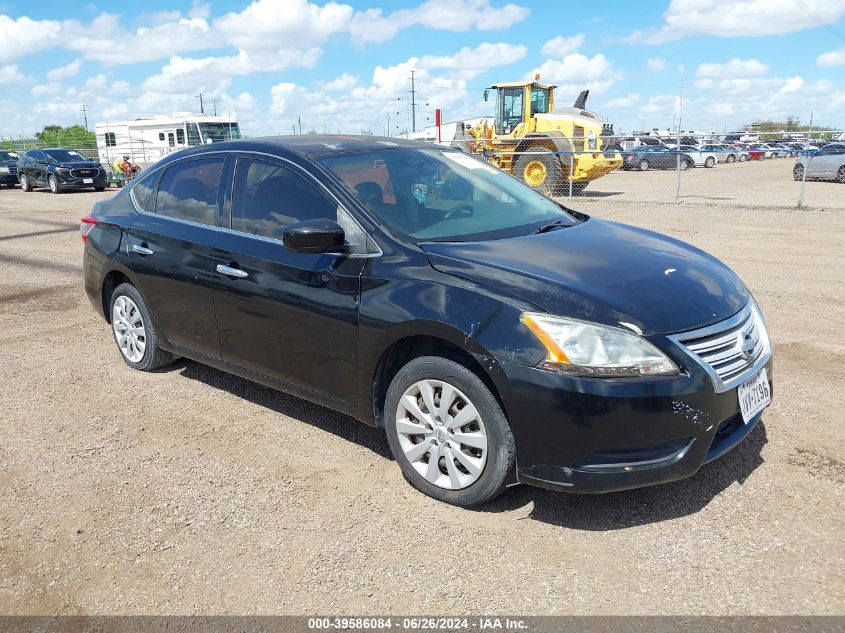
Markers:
point(551, 226)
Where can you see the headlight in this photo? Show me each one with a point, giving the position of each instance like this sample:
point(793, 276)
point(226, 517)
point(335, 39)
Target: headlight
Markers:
point(588, 349)
point(4, 170)
point(62, 170)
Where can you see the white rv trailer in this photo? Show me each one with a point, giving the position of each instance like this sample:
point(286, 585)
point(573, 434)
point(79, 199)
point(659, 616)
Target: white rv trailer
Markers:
point(147, 140)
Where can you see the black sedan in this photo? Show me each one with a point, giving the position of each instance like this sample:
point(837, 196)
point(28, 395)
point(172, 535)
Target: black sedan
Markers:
point(496, 336)
point(60, 170)
point(645, 157)
point(8, 168)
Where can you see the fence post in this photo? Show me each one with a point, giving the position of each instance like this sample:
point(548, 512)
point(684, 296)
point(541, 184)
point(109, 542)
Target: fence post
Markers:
point(571, 167)
point(804, 180)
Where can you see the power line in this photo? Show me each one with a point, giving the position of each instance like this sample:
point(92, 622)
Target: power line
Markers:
point(820, 20)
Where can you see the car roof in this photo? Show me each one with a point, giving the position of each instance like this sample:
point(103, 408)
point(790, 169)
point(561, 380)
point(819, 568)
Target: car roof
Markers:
point(315, 145)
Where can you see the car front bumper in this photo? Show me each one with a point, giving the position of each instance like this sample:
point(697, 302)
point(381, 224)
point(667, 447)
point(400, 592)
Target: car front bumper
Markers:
point(69, 181)
point(591, 435)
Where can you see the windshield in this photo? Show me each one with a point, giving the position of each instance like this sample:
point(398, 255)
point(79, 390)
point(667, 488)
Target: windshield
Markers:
point(444, 196)
point(66, 156)
point(4, 156)
point(217, 132)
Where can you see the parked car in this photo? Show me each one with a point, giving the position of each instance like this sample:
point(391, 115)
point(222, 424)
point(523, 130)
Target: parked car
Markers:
point(826, 163)
point(8, 168)
point(644, 157)
point(60, 169)
point(769, 151)
point(700, 156)
point(756, 152)
point(783, 150)
point(495, 335)
point(725, 153)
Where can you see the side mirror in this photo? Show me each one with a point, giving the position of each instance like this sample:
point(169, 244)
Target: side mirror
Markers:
point(486, 93)
point(315, 236)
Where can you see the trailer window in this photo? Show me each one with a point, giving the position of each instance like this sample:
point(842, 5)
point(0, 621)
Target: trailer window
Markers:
point(110, 139)
point(193, 134)
point(180, 136)
point(170, 140)
point(161, 136)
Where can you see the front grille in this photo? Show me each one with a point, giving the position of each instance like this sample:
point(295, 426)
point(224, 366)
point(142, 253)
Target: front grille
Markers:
point(84, 173)
point(730, 351)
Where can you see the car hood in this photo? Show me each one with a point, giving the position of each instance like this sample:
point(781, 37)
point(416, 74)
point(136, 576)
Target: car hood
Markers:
point(603, 272)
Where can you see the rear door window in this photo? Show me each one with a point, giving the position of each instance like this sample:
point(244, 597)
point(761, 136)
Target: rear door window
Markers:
point(189, 190)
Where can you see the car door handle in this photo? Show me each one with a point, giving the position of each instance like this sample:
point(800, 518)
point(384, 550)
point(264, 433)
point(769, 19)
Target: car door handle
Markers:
point(232, 272)
point(142, 250)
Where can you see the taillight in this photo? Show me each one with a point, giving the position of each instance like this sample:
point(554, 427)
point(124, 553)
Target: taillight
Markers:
point(86, 224)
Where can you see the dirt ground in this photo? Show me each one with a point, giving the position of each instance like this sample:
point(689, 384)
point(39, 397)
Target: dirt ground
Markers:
point(190, 491)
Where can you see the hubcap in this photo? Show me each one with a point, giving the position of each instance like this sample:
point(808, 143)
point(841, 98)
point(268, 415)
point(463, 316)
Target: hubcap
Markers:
point(535, 173)
point(129, 331)
point(442, 434)
point(53, 184)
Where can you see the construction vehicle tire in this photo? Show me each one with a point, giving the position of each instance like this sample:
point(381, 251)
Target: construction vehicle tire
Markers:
point(541, 169)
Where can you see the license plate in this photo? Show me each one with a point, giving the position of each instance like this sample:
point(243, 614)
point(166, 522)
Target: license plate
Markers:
point(754, 395)
point(88, 181)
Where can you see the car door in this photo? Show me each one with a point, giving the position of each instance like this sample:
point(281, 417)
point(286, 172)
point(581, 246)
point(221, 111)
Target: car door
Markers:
point(169, 246)
point(290, 316)
point(36, 167)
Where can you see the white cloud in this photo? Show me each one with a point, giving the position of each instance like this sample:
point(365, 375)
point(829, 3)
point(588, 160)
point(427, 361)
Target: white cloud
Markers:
point(70, 70)
point(657, 64)
point(736, 68)
point(732, 18)
point(833, 58)
point(372, 26)
point(341, 83)
point(24, 36)
point(12, 75)
point(577, 72)
point(561, 46)
point(471, 62)
point(45, 90)
point(628, 101)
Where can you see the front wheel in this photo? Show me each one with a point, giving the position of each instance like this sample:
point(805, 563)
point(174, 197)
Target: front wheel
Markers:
point(798, 172)
point(743, 158)
point(730, 158)
point(643, 165)
point(684, 165)
point(26, 185)
point(134, 332)
point(53, 182)
point(710, 162)
point(447, 432)
point(840, 175)
point(540, 169)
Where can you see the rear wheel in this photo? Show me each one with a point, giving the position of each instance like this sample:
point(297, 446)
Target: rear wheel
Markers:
point(798, 172)
point(53, 182)
point(710, 162)
point(540, 169)
point(840, 175)
point(684, 165)
point(730, 158)
point(743, 158)
point(134, 332)
point(26, 185)
point(447, 432)
point(643, 165)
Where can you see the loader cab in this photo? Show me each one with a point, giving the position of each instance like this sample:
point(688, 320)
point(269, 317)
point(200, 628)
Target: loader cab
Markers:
point(518, 102)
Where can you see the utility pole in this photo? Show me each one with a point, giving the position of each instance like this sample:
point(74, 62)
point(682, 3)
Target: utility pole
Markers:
point(85, 115)
point(299, 121)
point(202, 109)
point(214, 105)
point(680, 118)
point(413, 105)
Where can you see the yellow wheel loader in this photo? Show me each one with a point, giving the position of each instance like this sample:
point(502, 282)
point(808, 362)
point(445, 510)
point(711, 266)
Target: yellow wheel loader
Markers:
point(547, 150)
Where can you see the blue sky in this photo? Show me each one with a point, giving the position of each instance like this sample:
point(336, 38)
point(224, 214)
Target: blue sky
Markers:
point(345, 65)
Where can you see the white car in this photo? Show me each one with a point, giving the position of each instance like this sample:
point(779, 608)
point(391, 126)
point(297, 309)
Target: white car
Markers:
point(768, 150)
point(827, 163)
point(726, 153)
point(700, 157)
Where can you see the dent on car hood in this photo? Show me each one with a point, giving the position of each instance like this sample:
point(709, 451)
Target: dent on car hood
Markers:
point(603, 272)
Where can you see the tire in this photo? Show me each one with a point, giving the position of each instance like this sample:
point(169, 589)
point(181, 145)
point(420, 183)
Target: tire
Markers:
point(53, 183)
point(577, 188)
point(25, 184)
point(127, 307)
point(542, 171)
point(99, 188)
point(684, 165)
point(798, 172)
point(485, 425)
point(730, 158)
point(840, 175)
point(743, 158)
point(643, 165)
point(710, 162)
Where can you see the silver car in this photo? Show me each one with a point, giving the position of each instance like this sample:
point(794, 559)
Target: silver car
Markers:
point(826, 163)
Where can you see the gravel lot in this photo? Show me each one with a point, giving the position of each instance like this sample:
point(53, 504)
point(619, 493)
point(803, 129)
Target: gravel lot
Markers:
point(192, 491)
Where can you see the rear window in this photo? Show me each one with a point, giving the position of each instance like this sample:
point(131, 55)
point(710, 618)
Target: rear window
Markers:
point(188, 190)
